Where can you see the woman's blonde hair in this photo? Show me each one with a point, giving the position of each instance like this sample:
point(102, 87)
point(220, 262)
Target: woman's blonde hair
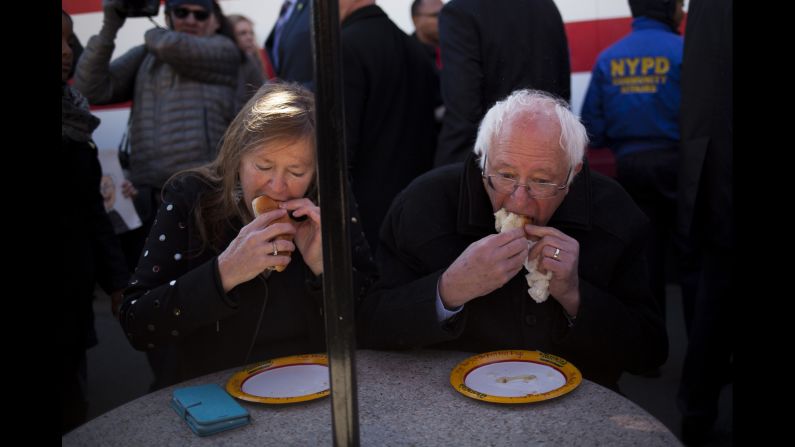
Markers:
point(277, 112)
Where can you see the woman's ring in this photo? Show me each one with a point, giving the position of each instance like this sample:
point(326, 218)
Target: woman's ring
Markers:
point(556, 255)
point(275, 250)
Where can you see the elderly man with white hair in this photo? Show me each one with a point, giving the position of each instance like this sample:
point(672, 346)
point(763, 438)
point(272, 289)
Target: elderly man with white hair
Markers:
point(448, 281)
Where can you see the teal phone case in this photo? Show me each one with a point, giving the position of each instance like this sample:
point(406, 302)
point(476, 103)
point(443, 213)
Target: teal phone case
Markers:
point(208, 409)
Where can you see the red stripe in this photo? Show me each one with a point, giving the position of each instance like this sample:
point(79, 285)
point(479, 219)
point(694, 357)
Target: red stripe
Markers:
point(588, 39)
point(83, 6)
point(118, 105)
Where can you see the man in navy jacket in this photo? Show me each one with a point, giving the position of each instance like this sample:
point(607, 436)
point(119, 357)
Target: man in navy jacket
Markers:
point(292, 57)
point(632, 107)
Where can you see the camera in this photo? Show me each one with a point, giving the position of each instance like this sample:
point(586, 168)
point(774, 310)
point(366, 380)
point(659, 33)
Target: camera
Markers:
point(141, 8)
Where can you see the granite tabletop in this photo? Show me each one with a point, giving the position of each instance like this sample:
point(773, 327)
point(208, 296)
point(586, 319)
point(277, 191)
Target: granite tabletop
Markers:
point(404, 398)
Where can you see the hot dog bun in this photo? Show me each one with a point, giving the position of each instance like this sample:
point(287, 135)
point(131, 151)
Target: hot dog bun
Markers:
point(506, 220)
point(263, 204)
point(537, 282)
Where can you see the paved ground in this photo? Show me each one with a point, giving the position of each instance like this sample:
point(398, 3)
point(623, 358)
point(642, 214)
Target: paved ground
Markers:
point(118, 374)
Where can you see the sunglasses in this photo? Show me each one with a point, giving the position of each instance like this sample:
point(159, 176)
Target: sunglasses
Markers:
point(182, 13)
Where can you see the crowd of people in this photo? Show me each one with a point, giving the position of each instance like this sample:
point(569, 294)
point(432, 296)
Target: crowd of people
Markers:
point(466, 118)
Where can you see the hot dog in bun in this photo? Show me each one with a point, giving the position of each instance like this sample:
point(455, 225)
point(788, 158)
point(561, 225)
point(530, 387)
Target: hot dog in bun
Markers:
point(506, 220)
point(537, 282)
point(263, 204)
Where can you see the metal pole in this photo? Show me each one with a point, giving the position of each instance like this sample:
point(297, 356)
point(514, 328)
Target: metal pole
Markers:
point(332, 185)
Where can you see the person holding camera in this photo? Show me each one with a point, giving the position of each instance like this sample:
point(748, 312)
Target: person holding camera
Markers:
point(182, 82)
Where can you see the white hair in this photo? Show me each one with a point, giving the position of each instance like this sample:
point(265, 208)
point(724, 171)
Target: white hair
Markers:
point(573, 137)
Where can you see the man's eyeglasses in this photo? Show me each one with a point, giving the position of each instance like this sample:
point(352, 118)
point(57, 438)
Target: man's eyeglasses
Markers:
point(507, 184)
point(200, 15)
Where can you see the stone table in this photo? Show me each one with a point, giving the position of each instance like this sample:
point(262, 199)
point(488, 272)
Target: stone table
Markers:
point(405, 398)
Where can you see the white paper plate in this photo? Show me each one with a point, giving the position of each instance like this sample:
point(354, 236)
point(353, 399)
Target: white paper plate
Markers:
point(283, 380)
point(514, 376)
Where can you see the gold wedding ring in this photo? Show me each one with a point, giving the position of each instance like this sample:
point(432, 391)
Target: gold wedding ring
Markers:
point(556, 255)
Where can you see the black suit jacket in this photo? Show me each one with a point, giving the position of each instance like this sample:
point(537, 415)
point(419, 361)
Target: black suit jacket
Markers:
point(705, 180)
point(389, 123)
point(489, 49)
point(295, 47)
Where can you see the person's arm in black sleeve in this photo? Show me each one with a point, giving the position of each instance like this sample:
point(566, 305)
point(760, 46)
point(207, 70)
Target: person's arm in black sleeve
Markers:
point(365, 272)
point(564, 69)
point(363, 267)
point(173, 291)
point(461, 81)
point(621, 323)
point(400, 311)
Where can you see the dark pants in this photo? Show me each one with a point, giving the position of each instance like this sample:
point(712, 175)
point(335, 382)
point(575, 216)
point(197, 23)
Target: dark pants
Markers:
point(74, 404)
point(650, 177)
point(77, 334)
point(708, 360)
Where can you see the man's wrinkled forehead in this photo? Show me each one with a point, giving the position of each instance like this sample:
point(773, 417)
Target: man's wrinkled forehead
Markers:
point(528, 123)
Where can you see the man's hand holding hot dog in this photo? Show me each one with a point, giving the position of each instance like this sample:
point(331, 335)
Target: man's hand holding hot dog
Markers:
point(560, 254)
point(483, 267)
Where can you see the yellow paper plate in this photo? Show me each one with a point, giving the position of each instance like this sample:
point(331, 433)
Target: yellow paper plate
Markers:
point(284, 380)
point(514, 377)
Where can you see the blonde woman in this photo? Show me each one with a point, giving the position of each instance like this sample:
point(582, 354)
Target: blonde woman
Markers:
point(205, 289)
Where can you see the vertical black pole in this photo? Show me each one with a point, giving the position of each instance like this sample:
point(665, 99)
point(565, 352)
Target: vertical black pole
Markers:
point(332, 185)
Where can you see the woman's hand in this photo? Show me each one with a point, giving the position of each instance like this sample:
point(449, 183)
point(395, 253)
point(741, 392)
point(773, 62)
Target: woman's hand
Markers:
point(251, 252)
point(128, 189)
point(308, 237)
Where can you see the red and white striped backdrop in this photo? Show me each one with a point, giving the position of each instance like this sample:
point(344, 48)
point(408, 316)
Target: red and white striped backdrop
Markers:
point(591, 25)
